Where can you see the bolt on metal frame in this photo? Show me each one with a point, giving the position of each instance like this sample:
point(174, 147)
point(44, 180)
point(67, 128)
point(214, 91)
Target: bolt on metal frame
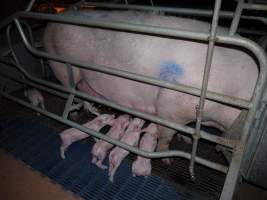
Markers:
point(71, 94)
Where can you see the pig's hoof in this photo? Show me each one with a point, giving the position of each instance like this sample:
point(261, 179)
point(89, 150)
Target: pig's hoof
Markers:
point(94, 160)
point(167, 161)
point(101, 166)
point(111, 179)
point(62, 152)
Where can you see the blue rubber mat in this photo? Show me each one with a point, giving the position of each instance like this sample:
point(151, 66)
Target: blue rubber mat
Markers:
point(38, 146)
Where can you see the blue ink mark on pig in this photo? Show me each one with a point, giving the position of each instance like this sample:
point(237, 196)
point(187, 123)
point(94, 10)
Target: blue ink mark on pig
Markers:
point(170, 71)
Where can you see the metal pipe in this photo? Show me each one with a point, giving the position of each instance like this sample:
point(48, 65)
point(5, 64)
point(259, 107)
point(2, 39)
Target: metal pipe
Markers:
point(8, 30)
point(236, 17)
point(173, 153)
point(145, 79)
point(259, 54)
point(152, 118)
point(68, 106)
point(70, 75)
point(30, 5)
point(200, 107)
point(232, 174)
point(181, 11)
point(251, 6)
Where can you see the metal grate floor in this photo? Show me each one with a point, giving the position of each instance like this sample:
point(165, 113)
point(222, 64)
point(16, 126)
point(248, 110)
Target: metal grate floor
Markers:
point(38, 146)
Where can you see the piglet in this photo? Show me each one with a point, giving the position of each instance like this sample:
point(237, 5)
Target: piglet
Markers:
point(131, 137)
point(72, 135)
point(35, 97)
point(142, 166)
point(101, 148)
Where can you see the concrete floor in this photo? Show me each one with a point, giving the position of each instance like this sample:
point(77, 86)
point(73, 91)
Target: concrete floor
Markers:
point(18, 181)
point(249, 192)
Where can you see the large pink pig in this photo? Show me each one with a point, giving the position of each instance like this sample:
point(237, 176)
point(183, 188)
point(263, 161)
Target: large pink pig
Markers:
point(72, 135)
point(233, 71)
point(101, 148)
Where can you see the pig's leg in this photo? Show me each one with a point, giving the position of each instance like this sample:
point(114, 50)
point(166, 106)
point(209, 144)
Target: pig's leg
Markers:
point(99, 152)
point(60, 71)
point(115, 158)
point(72, 135)
point(101, 148)
point(131, 137)
point(85, 87)
point(68, 137)
point(183, 112)
point(164, 140)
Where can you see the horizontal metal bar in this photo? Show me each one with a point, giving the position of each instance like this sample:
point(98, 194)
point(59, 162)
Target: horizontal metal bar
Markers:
point(145, 79)
point(152, 118)
point(182, 11)
point(173, 153)
point(251, 6)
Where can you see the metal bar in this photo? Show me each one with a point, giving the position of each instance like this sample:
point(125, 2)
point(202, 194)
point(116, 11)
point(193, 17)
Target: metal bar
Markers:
point(152, 118)
point(173, 153)
point(68, 106)
point(144, 79)
point(70, 75)
point(38, 86)
point(8, 30)
point(251, 6)
point(200, 107)
point(181, 11)
point(232, 174)
point(10, 44)
point(236, 18)
point(30, 5)
point(152, 3)
point(258, 52)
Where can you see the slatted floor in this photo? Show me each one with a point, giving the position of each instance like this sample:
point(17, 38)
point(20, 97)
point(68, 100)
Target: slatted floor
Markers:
point(38, 146)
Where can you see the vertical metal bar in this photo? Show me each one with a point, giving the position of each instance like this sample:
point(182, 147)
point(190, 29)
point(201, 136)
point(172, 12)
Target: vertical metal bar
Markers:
point(200, 107)
point(67, 106)
point(126, 2)
point(71, 96)
point(236, 17)
point(30, 5)
point(70, 75)
point(233, 173)
point(152, 3)
point(8, 32)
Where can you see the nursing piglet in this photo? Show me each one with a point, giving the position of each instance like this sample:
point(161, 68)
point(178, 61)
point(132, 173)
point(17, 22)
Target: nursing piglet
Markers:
point(142, 166)
point(131, 137)
point(101, 148)
point(72, 135)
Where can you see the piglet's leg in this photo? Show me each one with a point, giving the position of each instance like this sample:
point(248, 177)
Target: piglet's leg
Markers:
point(72, 135)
